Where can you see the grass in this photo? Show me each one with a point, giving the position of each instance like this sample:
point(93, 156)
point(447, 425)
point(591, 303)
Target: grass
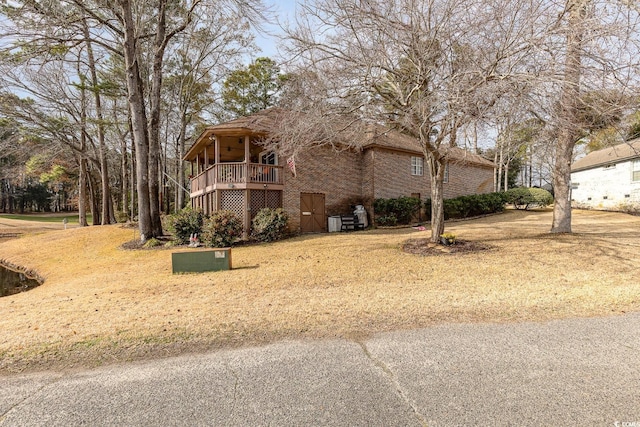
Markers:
point(72, 218)
point(102, 304)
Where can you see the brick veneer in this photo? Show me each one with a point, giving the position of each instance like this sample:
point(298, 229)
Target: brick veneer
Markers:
point(350, 177)
point(338, 175)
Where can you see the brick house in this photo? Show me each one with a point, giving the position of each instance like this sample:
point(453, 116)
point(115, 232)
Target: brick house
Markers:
point(231, 170)
point(608, 179)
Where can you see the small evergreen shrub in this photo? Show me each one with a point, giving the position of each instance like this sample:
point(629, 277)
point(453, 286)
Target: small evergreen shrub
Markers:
point(402, 209)
point(269, 225)
point(523, 197)
point(471, 205)
point(152, 243)
point(221, 229)
point(387, 220)
point(184, 223)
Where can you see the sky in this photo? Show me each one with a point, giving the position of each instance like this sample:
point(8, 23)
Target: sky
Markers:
point(283, 10)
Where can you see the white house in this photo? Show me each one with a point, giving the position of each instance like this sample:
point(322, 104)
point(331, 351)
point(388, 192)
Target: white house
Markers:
point(608, 179)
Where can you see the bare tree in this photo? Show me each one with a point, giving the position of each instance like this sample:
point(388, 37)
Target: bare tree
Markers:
point(424, 67)
point(198, 60)
point(139, 33)
point(589, 51)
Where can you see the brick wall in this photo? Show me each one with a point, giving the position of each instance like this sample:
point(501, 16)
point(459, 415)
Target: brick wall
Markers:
point(392, 171)
point(338, 175)
point(466, 179)
point(393, 177)
point(350, 177)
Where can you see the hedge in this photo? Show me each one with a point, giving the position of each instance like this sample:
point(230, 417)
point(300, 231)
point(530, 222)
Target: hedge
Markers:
point(396, 211)
point(470, 206)
point(523, 197)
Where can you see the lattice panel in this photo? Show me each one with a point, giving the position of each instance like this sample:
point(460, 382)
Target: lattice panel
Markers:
point(273, 199)
point(257, 201)
point(233, 200)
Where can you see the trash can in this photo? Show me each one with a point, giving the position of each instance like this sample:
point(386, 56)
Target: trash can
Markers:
point(335, 223)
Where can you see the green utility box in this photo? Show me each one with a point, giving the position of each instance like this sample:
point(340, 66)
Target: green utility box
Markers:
point(199, 261)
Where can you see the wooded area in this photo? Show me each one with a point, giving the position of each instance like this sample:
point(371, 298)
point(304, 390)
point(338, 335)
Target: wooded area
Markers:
point(98, 100)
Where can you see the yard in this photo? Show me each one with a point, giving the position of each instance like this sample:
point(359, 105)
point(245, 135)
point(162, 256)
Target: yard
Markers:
point(102, 304)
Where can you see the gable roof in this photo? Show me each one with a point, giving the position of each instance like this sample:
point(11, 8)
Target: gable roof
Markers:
point(621, 152)
point(264, 121)
point(388, 138)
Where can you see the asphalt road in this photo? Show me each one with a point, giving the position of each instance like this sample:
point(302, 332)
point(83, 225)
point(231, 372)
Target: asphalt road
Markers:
point(583, 372)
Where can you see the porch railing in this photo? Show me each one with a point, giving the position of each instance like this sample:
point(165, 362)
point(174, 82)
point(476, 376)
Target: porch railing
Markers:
point(237, 173)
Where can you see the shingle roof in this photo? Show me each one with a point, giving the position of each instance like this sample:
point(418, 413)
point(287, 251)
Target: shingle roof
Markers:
point(262, 122)
point(392, 139)
point(625, 151)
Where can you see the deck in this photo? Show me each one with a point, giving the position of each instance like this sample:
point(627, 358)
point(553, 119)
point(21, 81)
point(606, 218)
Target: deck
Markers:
point(237, 175)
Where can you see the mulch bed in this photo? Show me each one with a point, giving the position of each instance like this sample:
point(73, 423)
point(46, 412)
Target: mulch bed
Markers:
point(425, 248)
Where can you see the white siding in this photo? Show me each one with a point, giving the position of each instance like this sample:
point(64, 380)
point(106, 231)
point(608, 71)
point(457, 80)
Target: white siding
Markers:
point(608, 187)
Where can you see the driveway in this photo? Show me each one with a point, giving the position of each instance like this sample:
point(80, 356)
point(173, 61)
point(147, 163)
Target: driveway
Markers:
point(570, 372)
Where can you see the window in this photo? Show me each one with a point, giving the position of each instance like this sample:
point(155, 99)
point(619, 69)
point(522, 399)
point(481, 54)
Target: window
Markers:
point(636, 171)
point(446, 173)
point(417, 166)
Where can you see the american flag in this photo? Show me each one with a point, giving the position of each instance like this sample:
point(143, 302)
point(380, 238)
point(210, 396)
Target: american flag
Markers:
point(291, 162)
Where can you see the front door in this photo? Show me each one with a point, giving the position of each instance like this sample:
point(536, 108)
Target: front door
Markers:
point(312, 214)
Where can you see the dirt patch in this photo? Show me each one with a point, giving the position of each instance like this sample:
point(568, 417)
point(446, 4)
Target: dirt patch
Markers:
point(162, 242)
point(426, 248)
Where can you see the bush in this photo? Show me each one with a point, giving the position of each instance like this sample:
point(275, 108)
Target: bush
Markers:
point(221, 229)
point(387, 220)
point(184, 223)
point(472, 205)
point(269, 225)
point(401, 210)
point(152, 243)
point(523, 198)
point(121, 216)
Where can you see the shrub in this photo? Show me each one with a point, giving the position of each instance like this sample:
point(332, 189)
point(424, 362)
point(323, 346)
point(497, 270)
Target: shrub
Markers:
point(152, 243)
point(121, 216)
point(472, 205)
point(269, 224)
point(184, 223)
point(387, 220)
point(221, 229)
point(403, 209)
point(523, 198)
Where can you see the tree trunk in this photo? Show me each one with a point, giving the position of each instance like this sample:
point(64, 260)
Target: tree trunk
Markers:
point(138, 121)
point(568, 134)
point(179, 164)
point(154, 124)
point(436, 172)
point(124, 171)
point(561, 183)
point(500, 167)
point(107, 203)
point(93, 198)
point(506, 175)
point(82, 180)
point(82, 193)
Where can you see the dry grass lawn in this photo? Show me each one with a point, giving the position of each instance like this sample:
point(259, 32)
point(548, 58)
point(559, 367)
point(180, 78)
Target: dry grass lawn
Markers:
point(102, 304)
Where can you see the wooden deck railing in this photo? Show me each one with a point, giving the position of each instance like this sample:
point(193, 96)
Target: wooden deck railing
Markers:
point(236, 173)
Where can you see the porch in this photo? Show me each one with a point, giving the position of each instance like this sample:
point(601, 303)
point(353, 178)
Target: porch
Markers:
point(241, 176)
point(231, 169)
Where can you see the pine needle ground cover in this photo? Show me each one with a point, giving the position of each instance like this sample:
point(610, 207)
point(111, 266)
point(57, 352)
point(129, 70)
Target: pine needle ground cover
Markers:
point(103, 304)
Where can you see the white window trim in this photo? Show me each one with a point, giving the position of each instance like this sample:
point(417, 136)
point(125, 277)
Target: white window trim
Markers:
point(635, 170)
point(417, 166)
